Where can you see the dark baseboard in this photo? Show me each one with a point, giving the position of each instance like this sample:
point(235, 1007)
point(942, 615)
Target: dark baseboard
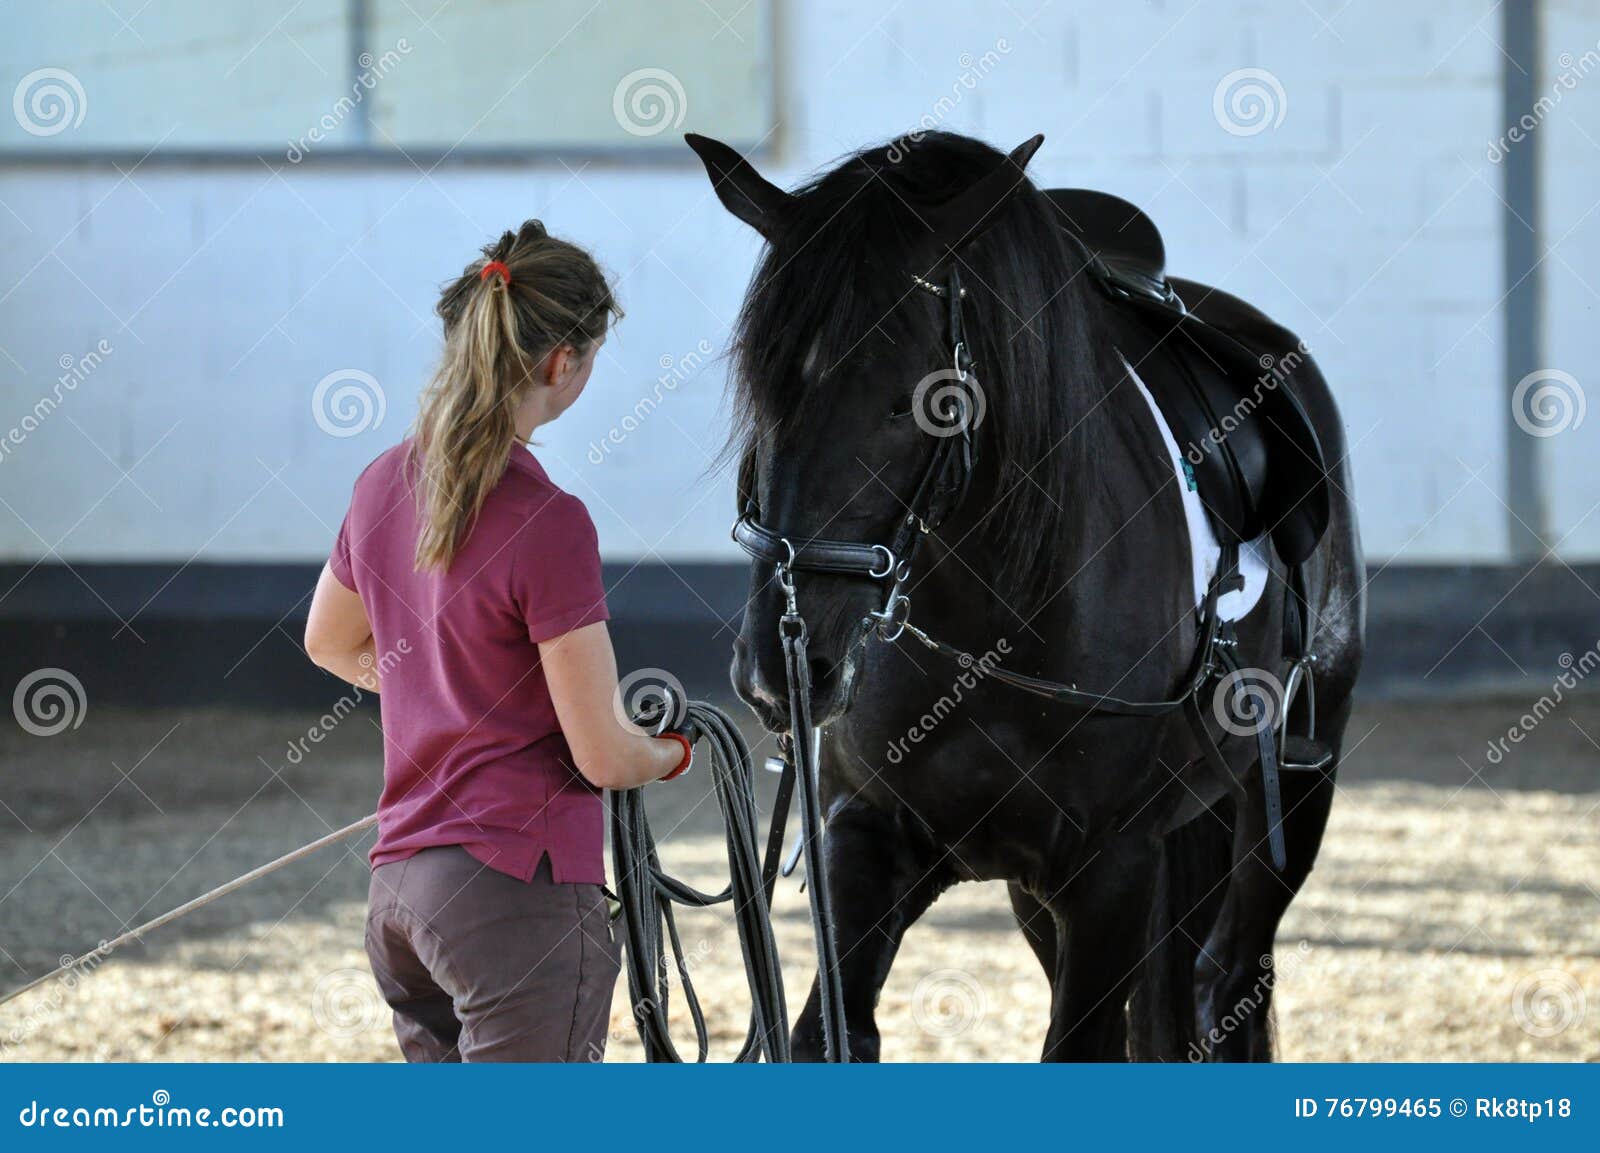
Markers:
point(160, 634)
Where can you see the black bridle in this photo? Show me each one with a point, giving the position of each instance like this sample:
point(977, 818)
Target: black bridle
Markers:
point(941, 489)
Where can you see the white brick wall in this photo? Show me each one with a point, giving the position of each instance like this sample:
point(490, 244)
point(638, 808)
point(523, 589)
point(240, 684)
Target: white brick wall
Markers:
point(1368, 220)
point(1570, 137)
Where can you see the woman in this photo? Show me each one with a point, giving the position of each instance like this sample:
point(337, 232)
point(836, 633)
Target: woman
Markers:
point(465, 587)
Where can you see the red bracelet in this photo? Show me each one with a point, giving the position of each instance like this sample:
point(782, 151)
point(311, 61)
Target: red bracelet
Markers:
point(688, 754)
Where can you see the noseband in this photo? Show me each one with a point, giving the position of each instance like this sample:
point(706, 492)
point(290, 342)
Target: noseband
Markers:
point(940, 491)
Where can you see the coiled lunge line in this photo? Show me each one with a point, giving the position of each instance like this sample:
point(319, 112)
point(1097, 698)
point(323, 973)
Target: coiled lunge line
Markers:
point(647, 893)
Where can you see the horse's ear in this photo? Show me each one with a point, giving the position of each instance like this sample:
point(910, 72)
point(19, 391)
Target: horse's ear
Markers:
point(963, 217)
point(743, 191)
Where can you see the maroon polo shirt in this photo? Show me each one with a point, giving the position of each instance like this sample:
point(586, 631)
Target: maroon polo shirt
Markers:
point(473, 753)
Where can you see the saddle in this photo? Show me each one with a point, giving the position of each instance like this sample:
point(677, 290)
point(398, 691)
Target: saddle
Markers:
point(1254, 455)
point(1257, 462)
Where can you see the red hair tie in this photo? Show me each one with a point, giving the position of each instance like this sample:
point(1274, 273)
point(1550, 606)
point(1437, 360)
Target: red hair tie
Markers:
point(495, 266)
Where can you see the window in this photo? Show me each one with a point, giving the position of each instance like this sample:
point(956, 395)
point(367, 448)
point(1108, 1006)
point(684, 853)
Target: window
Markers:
point(379, 78)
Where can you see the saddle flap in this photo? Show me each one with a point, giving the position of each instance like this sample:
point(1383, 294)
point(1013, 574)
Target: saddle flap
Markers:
point(1269, 435)
point(1256, 459)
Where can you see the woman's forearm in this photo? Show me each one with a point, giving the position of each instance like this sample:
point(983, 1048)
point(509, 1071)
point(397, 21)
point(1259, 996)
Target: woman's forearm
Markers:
point(629, 760)
point(609, 750)
point(339, 636)
point(359, 666)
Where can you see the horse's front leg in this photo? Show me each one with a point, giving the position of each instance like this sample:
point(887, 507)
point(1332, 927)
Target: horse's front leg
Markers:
point(1235, 974)
point(882, 877)
point(1102, 918)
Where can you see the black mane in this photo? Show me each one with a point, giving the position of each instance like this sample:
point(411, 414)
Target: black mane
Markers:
point(841, 266)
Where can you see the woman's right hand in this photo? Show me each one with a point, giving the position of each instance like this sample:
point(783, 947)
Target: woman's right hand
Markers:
point(611, 752)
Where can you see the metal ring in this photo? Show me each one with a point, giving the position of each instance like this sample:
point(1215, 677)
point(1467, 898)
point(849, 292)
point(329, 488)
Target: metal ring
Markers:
point(888, 562)
point(784, 570)
point(956, 353)
point(891, 621)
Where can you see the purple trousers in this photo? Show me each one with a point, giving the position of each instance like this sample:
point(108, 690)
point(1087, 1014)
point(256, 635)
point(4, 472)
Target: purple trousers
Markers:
point(479, 966)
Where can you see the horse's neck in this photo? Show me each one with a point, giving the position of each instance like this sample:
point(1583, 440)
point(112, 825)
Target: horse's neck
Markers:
point(1118, 566)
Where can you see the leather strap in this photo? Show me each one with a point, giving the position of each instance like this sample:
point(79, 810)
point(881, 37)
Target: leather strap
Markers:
point(1201, 668)
point(1070, 695)
point(797, 669)
point(1267, 751)
point(781, 804)
point(842, 557)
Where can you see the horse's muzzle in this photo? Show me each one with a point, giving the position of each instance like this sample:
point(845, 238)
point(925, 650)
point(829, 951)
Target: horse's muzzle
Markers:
point(760, 681)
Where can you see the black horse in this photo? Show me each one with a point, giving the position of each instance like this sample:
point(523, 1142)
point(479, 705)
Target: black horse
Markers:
point(1138, 874)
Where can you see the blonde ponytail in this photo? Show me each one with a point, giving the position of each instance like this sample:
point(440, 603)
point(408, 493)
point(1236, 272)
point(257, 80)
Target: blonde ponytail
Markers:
point(528, 295)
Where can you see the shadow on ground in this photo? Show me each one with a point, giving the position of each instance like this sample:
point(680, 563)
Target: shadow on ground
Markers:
point(137, 811)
